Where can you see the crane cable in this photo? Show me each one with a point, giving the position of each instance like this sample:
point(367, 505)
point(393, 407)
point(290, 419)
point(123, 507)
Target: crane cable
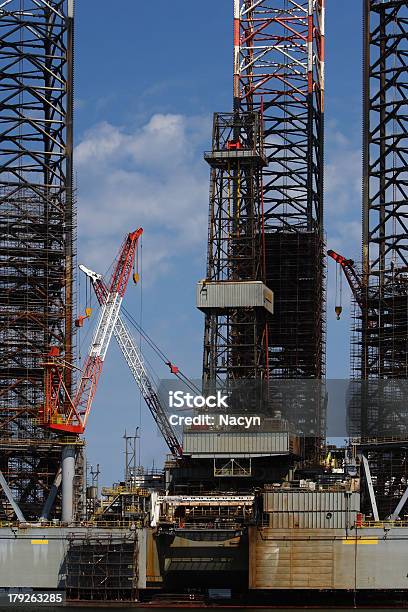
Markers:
point(338, 306)
point(130, 318)
point(136, 278)
point(162, 356)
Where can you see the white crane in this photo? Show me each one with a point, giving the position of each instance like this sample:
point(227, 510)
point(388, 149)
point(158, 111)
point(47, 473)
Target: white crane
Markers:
point(60, 411)
point(134, 359)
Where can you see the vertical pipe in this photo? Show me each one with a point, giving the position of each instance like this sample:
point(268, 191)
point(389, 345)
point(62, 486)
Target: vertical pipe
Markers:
point(321, 59)
point(366, 186)
point(69, 205)
point(310, 116)
point(383, 153)
point(237, 51)
point(68, 473)
point(366, 130)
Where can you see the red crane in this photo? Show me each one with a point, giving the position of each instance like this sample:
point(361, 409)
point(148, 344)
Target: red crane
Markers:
point(351, 275)
point(60, 411)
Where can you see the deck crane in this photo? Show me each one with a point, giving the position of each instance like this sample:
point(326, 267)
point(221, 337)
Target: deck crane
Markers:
point(351, 275)
point(136, 364)
point(62, 413)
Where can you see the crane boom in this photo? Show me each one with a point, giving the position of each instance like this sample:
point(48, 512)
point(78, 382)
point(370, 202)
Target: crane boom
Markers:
point(351, 275)
point(135, 361)
point(61, 413)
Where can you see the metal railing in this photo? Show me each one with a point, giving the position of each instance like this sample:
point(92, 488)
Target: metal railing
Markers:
point(382, 524)
point(124, 490)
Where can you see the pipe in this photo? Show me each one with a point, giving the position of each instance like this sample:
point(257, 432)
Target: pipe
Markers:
point(68, 473)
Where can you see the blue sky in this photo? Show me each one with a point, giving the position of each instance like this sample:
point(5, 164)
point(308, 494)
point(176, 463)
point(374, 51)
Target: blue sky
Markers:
point(148, 78)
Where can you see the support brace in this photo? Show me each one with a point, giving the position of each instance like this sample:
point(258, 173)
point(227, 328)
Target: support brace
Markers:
point(49, 502)
point(9, 495)
point(370, 487)
point(396, 514)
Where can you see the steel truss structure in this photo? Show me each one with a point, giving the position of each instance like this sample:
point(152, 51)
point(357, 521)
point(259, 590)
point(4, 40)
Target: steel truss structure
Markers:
point(383, 328)
point(279, 73)
point(279, 69)
point(266, 208)
point(379, 355)
point(37, 219)
point(235, 340)
point(137, 366)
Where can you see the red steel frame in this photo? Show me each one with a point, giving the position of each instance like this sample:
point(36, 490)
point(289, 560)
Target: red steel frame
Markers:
point(279, 67)
point(61, 412)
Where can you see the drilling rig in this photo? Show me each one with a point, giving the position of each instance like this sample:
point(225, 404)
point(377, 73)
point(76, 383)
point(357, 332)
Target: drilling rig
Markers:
point(257, 512)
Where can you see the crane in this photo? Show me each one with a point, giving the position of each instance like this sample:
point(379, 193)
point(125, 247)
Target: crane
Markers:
point(62, 413)
point(351, 275)
point(135, 361)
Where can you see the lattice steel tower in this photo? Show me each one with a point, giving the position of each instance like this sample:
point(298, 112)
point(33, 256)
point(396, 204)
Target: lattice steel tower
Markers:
point(383, 329)
point(271, 203)
point(380, 328)
point(37, 233)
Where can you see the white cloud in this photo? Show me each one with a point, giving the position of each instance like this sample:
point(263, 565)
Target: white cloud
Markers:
point(98, 146)
point(343, 221)
point(343, 181)
point(153, 177)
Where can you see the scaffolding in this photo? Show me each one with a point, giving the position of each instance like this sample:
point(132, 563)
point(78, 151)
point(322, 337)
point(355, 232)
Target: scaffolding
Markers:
point(279, 70)
point(102, 568)
point(37, 221)
point(122, 503)
point(235, 338)
point(379, 350)
point(385, 144)
point(295, 271)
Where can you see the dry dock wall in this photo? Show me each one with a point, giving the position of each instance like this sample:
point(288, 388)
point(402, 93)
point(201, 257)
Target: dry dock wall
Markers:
point(36, 557)
point(328, 558)
point(362, 559)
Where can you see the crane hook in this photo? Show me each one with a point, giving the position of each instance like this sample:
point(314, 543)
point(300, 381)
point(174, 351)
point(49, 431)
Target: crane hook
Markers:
point(338, 308)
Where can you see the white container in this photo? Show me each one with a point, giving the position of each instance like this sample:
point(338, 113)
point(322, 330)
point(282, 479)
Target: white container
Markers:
point(225, 295)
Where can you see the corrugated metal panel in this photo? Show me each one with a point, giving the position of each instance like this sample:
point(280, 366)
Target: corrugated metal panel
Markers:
point(26, 564)
point(240, 443)
point(224, 295)
point(153, 569)
point(311, 509)
point(318, 559)
point(279, 562)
